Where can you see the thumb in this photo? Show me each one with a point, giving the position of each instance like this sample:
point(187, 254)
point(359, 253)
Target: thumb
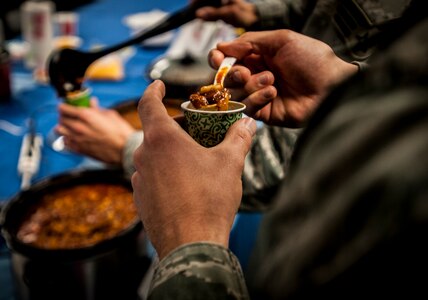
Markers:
point(238, 137)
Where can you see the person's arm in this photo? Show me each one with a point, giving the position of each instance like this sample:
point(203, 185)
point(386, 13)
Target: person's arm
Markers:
point(259, 14)
point(238, 13)
point(187, 197)
point(295, 89)
point(188, 194)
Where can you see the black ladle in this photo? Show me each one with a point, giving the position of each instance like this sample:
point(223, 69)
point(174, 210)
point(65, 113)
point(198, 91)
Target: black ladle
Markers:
point(67, 67)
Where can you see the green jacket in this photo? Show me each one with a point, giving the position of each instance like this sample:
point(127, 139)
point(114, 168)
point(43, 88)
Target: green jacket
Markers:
point(346, 25)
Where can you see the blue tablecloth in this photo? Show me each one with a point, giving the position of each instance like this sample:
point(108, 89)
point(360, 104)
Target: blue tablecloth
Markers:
point(101, 22)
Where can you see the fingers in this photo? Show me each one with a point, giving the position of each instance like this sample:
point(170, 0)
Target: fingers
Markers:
point(228, 14)
point(239, 48)
point(259, 42)
point(94, 103)
point(236, 48)
point(62, 130)
point(72, 128)
point(258, 100)
point(208, 13)
point(68, 138)
point(69, 111)
point(252, 85)
point(237, 141)
point(150, 108)
point(238, 76)
point(72, 146)
point(215, 57)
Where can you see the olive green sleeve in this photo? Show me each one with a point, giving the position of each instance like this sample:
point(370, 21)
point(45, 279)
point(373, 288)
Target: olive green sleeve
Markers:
point(266, 165)
point(199, 271)
point(279, 14)
point(132, 143)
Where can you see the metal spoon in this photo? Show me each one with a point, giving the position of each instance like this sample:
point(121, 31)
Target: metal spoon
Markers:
point(67, 67)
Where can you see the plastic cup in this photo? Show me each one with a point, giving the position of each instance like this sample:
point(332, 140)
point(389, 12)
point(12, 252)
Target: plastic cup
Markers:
point(80, 98)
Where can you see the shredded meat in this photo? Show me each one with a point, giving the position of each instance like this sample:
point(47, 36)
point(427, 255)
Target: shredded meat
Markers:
point(211, 95)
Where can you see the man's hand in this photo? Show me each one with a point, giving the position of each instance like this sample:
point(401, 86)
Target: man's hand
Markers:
point(238, 13)
point(185, 192)
point(283, 75)
point(95, 132)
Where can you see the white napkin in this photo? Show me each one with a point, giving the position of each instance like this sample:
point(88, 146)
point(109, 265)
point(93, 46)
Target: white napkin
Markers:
point(198, 37)
point(142, 20)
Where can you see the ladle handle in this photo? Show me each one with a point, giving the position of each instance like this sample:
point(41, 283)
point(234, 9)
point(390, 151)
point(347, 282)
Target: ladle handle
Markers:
point(171, 22)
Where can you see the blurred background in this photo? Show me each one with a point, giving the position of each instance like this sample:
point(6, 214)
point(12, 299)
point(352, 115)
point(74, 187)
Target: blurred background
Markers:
point(29, 31)
point(11, 14)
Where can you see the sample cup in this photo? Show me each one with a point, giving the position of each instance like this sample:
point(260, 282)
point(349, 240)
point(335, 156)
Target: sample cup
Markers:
point(79, 98)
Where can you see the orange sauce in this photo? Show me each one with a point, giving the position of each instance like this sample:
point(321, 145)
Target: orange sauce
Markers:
point(220, 74)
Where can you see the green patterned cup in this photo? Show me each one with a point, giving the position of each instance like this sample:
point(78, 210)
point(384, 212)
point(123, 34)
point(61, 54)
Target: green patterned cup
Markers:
point(209, 127)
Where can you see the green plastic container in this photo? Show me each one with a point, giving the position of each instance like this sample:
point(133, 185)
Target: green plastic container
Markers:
point(81, 98)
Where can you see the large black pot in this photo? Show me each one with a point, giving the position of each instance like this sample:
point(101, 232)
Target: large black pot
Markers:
point(110, 269)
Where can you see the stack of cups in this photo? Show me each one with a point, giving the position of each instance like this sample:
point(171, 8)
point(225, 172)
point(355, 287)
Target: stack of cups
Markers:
point(66, 23)
point(66, 29)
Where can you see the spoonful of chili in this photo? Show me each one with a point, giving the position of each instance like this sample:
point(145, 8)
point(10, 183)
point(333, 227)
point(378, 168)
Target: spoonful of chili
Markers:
point(214, 95)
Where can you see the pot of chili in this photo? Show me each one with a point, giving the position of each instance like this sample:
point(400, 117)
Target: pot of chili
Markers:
point(76, 235)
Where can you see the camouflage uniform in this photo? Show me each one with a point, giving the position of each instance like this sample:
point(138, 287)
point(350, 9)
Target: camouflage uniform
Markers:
point(265, 165)
point(204, 269)
point(345, 25)
point(128, 152)
point(350, 220)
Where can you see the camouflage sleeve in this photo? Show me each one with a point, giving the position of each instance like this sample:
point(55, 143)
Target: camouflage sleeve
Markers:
point(132, 143)
point(199, 271)
point(266, 164)
point(276, 14)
